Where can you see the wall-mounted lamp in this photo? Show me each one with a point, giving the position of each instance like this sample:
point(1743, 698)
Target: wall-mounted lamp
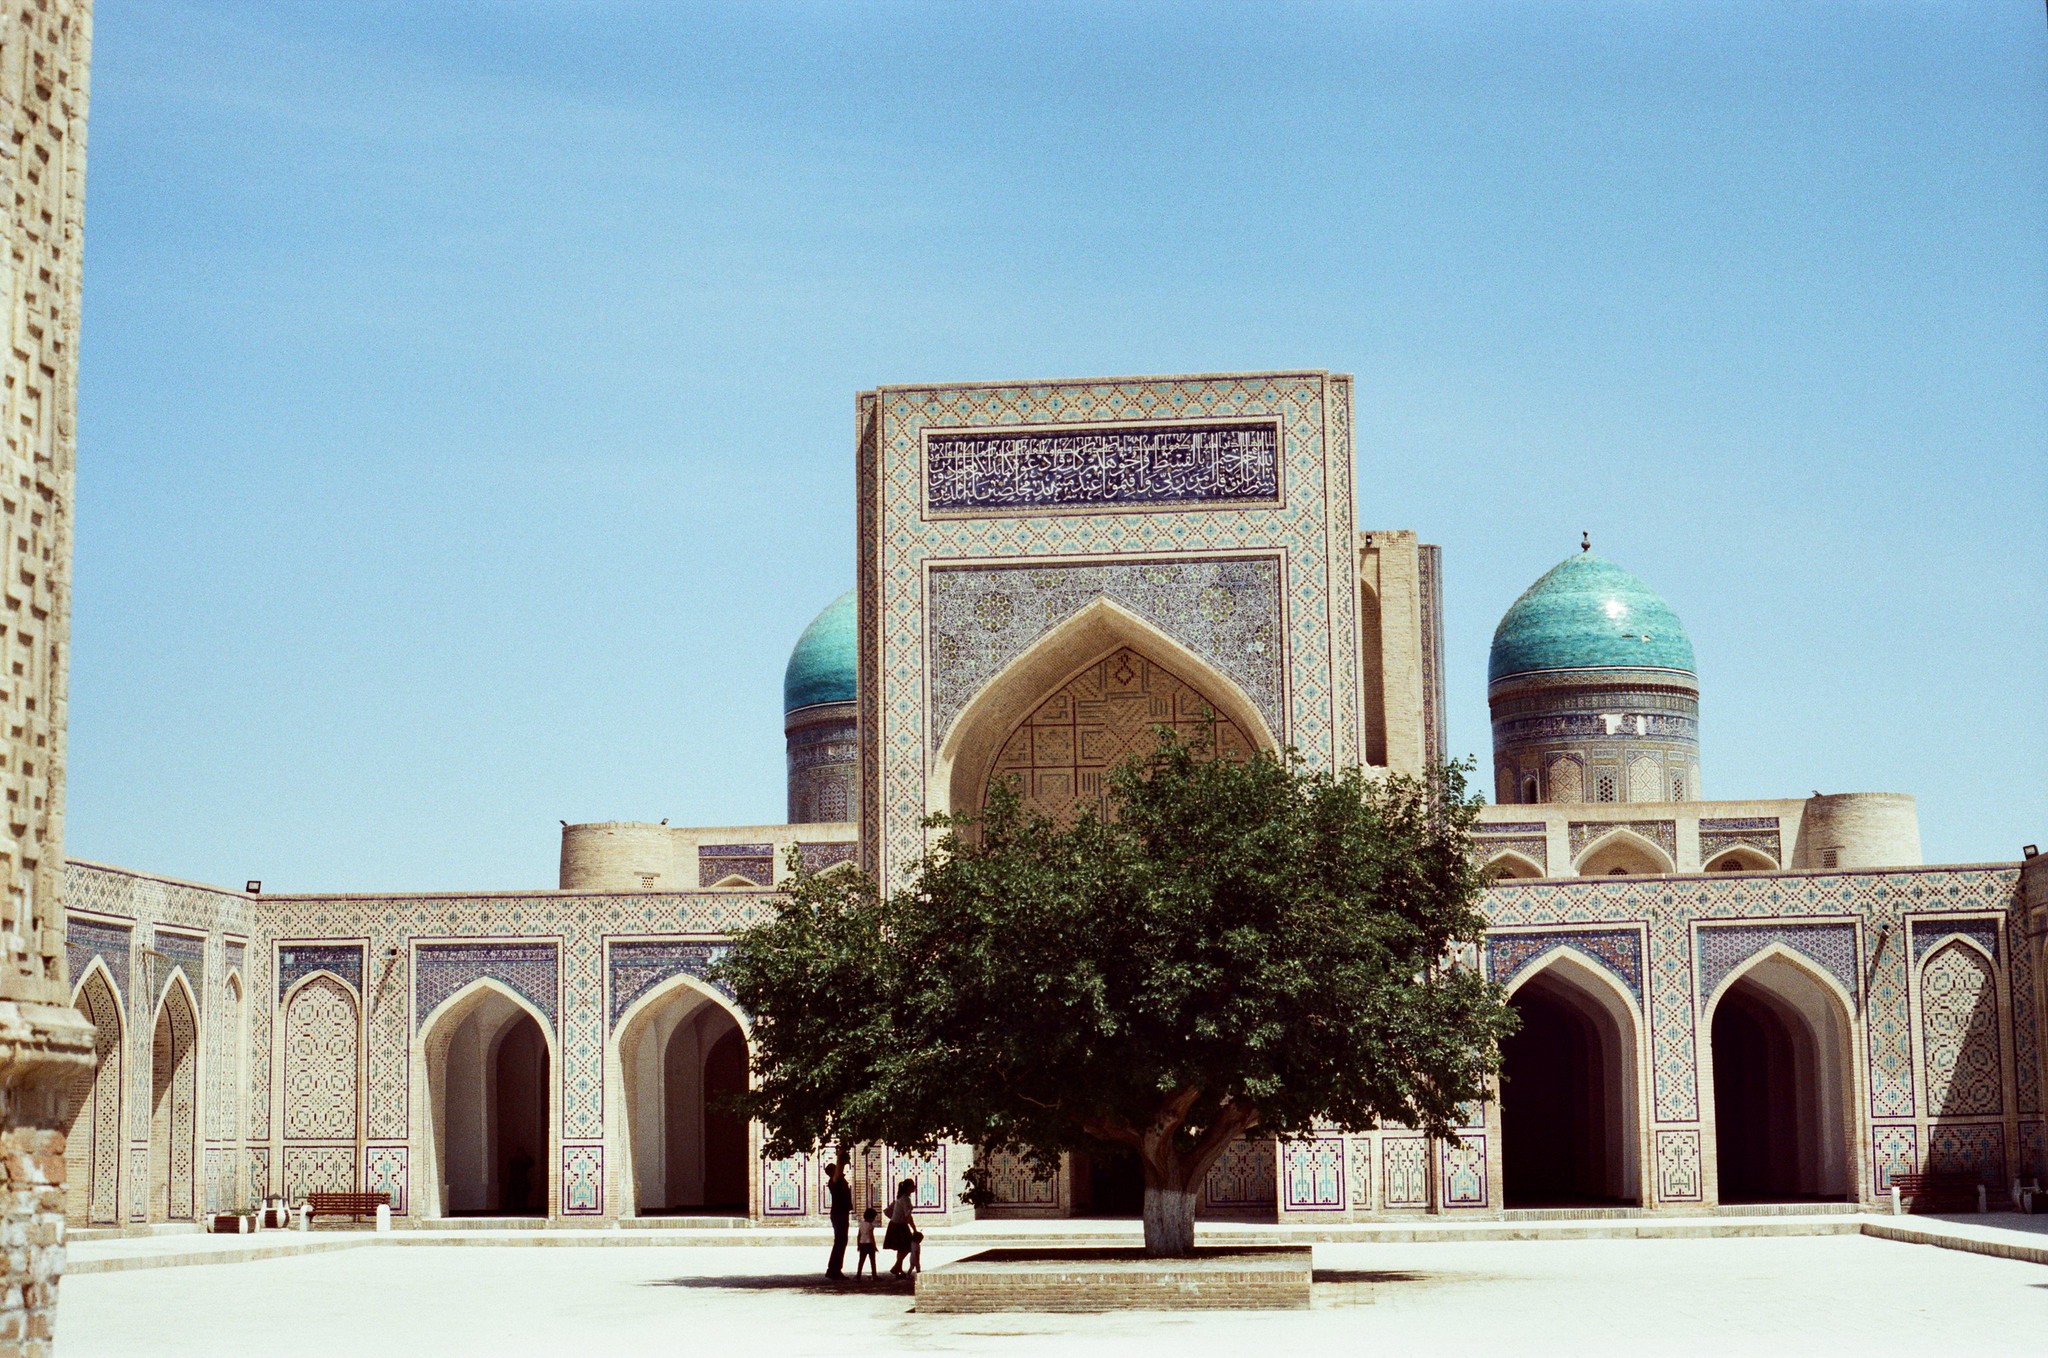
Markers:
point(253, 887)
point(2031, 851)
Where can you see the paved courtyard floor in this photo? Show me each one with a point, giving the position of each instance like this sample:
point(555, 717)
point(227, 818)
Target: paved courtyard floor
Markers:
point(1808, 1296)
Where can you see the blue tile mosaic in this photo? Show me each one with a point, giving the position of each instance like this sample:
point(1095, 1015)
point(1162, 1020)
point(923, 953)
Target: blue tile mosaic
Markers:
point(993, 471)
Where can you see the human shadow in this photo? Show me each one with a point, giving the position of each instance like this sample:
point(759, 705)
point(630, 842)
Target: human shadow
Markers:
point(783, 1282)
point(1364, 1275)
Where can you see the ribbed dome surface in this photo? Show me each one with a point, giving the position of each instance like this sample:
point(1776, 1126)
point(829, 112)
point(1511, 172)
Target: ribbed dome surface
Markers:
point(822, 667)
point(1588, 613)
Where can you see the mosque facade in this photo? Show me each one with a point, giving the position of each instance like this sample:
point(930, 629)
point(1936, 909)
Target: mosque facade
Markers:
point(1724, 1002)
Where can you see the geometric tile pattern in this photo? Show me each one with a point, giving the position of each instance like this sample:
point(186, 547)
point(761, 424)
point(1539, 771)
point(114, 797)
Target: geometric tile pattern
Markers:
point(1832, 947)
point(2026, 1032)
point(1968, 1148)
point(753, 863)
point(1225, 610)
point(639, 967)
point(87, 939)
point(320, 1062)
point(928, 1172)
point(1464, 1170)
point(784, 1186)
point(318, 1169)
point(1894, 1149)
point(1662, 833)
point(1404, 1173)
point(1060, 756)
point(1678, 1165)
point(182, 951)
point(297, 960)
point(1621, 950)
point(527, 969)
point(1959, 1032)
point(98, 1162)
point(582, 1180)
point(817, 857)
point(2033, 1163)
point(1361, 1173)
point(1313, 1170)
point(1928, 932)
point(384, 1172)
point(1242, 1176)
point(1011, 1181)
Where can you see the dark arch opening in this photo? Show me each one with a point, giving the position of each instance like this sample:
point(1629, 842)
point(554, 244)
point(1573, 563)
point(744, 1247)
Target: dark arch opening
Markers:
point(1566, 1102)
point(1779, 1104)
point(520, 1118)
point(683, 1059)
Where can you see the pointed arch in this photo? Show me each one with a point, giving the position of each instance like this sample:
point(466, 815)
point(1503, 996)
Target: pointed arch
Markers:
point(174, 1102)
point(1621, 852)
point(1783, 1081)
point(1740, 858)
point(1573, 1131)
point(92, 1142)
point(1507, 863)
point(1959, 1039)
point(322, 1041)
point(674, 1053)
point(484, 1100)
point(967, 752)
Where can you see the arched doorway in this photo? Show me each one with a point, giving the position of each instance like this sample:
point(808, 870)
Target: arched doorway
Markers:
point(488, 1062)
point(1570, 1127)
point(1622, 853)
point(681, 1055)
point(1782, 1094)
point(173, 1104)
point(92, 1143)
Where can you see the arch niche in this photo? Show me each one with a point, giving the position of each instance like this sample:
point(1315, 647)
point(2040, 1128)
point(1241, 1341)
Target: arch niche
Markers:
point(681, 1049)
point(1624, 853)
point(1783, 1084)
point(92, 1141)
point(1078, 700)
point(173, 1103)
point(1740, 860)
point(1507, 865)
point(1570, 1100)
point(488, 1056)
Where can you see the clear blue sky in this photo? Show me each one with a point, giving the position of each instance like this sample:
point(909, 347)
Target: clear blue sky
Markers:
point(466, 413)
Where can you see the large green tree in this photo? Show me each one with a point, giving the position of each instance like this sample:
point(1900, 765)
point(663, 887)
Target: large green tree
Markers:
point(1236, 947)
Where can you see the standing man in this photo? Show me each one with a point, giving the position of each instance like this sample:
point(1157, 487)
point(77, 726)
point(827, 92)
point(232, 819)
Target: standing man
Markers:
point(841, 1196)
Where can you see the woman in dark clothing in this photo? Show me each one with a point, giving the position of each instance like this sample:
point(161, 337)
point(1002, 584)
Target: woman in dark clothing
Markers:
point(902, 1235)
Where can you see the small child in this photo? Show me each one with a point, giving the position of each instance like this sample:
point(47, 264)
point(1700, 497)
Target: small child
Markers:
point(867, 1254)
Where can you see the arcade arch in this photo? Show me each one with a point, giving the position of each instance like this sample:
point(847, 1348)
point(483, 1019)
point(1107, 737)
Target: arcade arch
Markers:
point(92, 1141)
point(681, 1050)
point(1623, 853)
point(1570, 1101)
point(1740, 860)
point(174, 1104)
point(1783, 1085)
point(1507, 865)
point(488, 1058)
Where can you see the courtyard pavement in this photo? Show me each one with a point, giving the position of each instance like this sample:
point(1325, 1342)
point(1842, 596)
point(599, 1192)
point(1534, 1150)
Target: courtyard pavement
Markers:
point(1805, 1295)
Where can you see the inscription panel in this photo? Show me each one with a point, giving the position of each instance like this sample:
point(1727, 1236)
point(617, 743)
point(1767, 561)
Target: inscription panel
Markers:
point(999, 471)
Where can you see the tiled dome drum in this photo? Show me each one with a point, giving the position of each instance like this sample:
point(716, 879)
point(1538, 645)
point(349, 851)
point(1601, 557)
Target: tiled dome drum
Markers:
point(1594, 693)
point(819, 717)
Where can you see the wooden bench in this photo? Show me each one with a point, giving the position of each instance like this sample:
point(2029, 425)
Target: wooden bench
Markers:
point(1939, 1192)
point(355, 1206)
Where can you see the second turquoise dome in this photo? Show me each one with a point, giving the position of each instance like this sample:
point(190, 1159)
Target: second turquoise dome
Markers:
point(823, 666)
point(1588, 613)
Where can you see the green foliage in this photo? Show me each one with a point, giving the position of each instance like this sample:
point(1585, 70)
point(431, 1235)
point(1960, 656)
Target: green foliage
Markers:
point(1242, 945)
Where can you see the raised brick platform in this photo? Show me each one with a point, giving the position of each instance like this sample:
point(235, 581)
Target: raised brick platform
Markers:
point(1275, 1279)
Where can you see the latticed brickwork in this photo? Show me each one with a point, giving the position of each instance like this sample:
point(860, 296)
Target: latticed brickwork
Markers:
point(44, 1042)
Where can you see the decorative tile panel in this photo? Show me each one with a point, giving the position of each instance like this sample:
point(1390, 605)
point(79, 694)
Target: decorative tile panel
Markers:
point(1959, 1033)
point(1361, 1173)
point(384, 1171)
point(1831, 947)
point(1620, 951)
point(87, 939)
point(1227, 610)
point(753, 863)
point(1662, 833)
point(1894, 1149)
point(583, 1180)
point(641, 966)
point(1968, 1148)
point(1464, 1170)
point(1404, 1171)
point(1313, 1171)
point(318, 1169)
point(784, 1187)
point(828, 854)
point(1002, 471)
point(1678, 1165)
point(929, 1173)
point(1242, 1176)
point(530, 970)
point(185, 952)
point(296, 961)
point(1927, 933)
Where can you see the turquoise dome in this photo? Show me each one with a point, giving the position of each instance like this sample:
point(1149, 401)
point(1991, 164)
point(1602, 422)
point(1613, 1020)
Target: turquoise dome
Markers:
point(823, 665)
point(1588, 613)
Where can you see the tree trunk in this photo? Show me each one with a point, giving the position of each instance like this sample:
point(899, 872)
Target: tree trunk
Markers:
point(1169, 1219)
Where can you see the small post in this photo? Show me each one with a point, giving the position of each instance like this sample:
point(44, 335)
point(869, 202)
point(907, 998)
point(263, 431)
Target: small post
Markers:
point(305, 1216)
point(383, 1216)
point(1897, 1210)
point(1980, 1198)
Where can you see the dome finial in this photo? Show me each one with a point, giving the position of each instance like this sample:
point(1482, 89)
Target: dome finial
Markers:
point(1585, 542)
